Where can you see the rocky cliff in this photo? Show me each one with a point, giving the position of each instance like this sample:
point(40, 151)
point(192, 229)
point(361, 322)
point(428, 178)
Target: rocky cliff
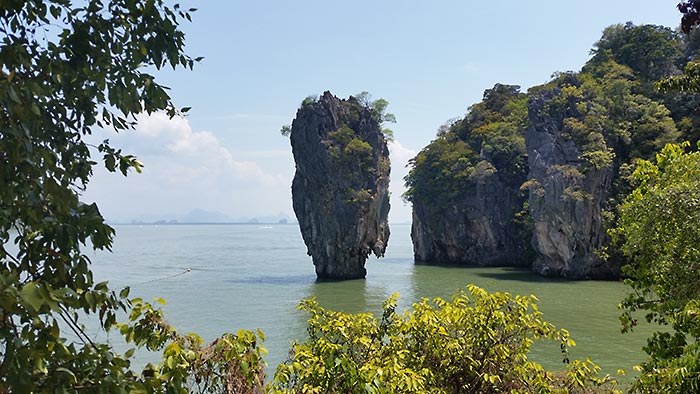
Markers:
point(465, 187)
point(569, 144)
point(340, 191)
point(479, 229)
point(568, 195)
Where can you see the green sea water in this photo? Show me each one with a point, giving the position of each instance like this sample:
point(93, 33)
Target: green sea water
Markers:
point(222, 278)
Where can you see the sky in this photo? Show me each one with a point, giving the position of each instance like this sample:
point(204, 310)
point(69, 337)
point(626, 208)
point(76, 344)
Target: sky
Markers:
point(430, 60)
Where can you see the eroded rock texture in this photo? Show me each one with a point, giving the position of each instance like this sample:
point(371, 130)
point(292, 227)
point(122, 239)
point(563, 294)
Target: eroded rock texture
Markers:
point(340, 190)
point(478, 229)
point(567, 197)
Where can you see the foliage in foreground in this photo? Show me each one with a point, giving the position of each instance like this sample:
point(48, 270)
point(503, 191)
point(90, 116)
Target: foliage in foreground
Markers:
point(476, 343)
point(659, 226)
point(65, 68)
point(230, 364)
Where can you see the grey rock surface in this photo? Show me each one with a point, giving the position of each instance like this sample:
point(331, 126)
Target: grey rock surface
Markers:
point(476, 230)
point(566, 199)
point(340, 191)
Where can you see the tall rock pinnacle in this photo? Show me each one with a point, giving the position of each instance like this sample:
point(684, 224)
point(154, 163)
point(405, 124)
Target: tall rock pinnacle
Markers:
point(340, 190)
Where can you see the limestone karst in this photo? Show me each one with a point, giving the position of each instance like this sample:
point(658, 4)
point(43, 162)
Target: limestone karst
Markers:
point(340, 190)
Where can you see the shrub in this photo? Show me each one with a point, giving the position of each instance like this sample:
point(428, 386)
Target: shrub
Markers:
point(476, 343)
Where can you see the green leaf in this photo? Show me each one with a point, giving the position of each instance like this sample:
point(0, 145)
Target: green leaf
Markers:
point(90, 299)
point(13, 94)
point(32, 296)
point(68, 372)
point(124, 293)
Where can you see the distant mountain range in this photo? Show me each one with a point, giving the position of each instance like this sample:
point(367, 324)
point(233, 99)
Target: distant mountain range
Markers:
point(204, 216)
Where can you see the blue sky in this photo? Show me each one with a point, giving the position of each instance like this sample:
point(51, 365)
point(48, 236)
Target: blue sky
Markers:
point(430, 60)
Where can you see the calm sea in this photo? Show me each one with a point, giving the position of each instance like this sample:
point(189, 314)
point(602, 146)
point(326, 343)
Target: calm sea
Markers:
point(253, 276)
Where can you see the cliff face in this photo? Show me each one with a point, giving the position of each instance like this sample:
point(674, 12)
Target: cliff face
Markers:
point(340, 191)
point(567, 197)
point(571, 144)
point(477, 230)
point(464, 186)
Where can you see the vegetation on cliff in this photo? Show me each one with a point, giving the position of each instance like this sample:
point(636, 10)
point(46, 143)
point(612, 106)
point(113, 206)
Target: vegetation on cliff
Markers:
point(489, 139)
point(464, 186)
point(611, 125)
point(599, 121)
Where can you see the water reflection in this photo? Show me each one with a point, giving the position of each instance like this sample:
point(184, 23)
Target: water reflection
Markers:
point(279, 280)
point(513, 274)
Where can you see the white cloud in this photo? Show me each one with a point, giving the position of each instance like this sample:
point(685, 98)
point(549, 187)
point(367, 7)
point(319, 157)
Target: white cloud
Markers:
point(399, 154)
point(470, 67)
point(159, 124)
point(199, 152)
point(186, 169)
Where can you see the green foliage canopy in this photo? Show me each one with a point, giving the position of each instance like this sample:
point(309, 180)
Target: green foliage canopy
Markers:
point(476, 343)
point(688, 82)
point(659, 226)
point(440, 172)
point(493, 131)
point(653, 52)
point(64, 69)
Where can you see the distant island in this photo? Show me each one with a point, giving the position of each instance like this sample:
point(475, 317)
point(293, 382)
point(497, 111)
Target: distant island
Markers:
point(201, 216)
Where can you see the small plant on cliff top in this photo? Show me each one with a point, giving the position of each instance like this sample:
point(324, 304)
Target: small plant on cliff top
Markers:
point(378, 108)
point(476, 343)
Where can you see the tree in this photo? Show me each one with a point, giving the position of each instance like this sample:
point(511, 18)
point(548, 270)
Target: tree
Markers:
point(64, 69)
point(688, 82)
point(659, 228)
point(493, 130)
point(476, 343)
point(691, 15)
point(378, 108)
point(652, 52)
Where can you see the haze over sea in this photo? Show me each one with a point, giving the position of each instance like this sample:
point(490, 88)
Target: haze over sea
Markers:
point(249, 276)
